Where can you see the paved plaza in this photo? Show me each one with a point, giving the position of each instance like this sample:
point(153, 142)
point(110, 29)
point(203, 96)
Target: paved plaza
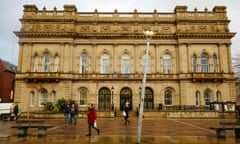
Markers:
point(154, 131)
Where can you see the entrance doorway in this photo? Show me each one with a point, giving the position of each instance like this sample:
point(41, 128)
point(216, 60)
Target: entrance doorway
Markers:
point(125, 96)
point(104, 99)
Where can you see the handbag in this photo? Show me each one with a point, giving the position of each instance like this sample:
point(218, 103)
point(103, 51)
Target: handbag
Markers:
point(124, 113)
point(95, 124)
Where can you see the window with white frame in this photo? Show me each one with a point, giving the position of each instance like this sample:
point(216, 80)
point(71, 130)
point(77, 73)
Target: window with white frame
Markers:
point(168, 97)
point(32, 98)
point(46, 62)
point(148, 65)
point(125, 64)
point(215, 65)
point(105, 69)
point(194, 63)
point(56, 63)
point(207, 96)
point(167, 63)
point(204, 62)
point(84, 63)
point(83, 97)
point(197, 94)
point(43, 97)
point(218, 96)
point(35, 63)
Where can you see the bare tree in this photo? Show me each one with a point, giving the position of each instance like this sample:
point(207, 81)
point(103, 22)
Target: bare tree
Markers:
point(236, 70)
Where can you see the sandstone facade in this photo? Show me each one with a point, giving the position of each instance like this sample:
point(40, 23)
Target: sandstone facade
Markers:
point(97, 57)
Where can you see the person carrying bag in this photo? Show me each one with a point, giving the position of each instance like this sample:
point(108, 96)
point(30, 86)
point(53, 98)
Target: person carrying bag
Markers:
point(92, 117)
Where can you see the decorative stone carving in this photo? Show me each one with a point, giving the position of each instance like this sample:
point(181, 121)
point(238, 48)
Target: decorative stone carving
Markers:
point(125, 28)
point(165, 29)
point(27, 27)
point(202, 28)
point(85, 29)
point(105, 28)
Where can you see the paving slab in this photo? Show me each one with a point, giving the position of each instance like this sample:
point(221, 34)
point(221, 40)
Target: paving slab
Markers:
point(154, 131)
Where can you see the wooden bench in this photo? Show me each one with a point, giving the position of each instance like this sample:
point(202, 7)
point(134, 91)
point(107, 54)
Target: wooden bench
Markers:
point(24, 124)
point(224, 126)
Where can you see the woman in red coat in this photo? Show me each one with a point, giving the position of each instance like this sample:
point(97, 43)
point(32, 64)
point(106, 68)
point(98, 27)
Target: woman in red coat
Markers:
point(92, 116)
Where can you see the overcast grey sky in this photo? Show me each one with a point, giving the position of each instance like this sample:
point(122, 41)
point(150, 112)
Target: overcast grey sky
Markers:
point(12, 10)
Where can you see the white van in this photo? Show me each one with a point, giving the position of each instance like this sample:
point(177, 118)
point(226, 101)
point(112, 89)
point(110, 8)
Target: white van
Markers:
point(5, 111)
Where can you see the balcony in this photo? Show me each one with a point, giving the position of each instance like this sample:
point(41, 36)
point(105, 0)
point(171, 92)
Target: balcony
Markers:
point(57, 76)
point(201, 77)
point(39, 76)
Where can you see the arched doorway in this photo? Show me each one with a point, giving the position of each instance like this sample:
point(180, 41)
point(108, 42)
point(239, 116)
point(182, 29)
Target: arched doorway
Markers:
point(125, 96)
point(148, 99)
point(104, 99)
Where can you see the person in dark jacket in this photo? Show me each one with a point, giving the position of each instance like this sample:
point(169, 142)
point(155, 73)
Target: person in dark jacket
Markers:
point(67, 114)
point(92, 117)
point(16, 111)
point(73, 114)
point(126, 108)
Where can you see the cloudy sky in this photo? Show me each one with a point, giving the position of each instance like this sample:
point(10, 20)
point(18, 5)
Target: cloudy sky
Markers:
point(12, 10)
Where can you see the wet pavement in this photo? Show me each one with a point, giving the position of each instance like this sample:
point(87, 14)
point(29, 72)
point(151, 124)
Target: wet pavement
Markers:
point(114, 131)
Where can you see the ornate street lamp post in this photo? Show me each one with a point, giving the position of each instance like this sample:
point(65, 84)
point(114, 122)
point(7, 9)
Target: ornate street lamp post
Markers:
point(148, 35)
point(112, 98)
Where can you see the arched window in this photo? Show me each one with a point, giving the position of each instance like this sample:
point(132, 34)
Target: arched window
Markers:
point(105, 69)
point(83, 97)
point(167, 63)
point(104, 99)
point(194, 63)
point(84, 63)
point(53, 97)
point(35, 63)
point(148, 65)
point(43, 97)
point(125, 64)
point(32, 98)
point(168, 97)
point(207, 96)
point(56, 63)
point(204, 62)
point(197, 94)
point(46, 62)
point(218, 96)
point(215, 65)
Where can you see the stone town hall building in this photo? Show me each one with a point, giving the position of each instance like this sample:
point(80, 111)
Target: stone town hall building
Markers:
point(97, 57)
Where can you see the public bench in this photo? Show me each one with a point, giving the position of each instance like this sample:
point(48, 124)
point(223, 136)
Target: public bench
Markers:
point(227, 125)
point(24, 124)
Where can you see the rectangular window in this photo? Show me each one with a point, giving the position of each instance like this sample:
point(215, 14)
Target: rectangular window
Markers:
point(56, 64)
point(105, 65)
point(125, 66)
point(194, 64)
point(32, 98)
point(46, 63)
point(83, 97)
point(84, 64)
point(167, 66)
point(204, 63)
point(35, 64)
point(42, 99)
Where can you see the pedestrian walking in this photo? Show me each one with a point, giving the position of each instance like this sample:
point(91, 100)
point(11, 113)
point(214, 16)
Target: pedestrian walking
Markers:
point(73, 114)
point(16, 111)
point(125, 113)
point(67, 114)
point(92, 117)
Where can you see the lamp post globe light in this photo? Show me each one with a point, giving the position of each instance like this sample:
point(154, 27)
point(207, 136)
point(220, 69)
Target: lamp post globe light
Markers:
point(148, 35)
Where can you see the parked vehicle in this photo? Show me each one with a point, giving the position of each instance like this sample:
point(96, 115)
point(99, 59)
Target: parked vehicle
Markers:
point(5, 111)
